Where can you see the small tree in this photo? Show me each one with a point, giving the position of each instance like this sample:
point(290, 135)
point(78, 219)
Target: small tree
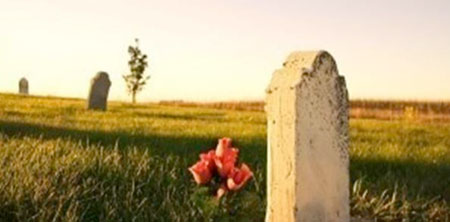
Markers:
point(137, 63)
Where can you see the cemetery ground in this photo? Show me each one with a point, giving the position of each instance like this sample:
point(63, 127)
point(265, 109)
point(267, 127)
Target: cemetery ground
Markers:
point(61, 162)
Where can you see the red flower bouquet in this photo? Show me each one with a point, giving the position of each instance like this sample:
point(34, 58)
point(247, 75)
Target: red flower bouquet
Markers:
point(221, 163)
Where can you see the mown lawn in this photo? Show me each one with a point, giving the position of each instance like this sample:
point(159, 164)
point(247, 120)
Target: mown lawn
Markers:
point(60, 162)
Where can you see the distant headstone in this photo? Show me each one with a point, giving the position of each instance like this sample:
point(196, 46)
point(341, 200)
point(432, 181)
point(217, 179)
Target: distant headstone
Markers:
point(98, 93)
point(23, 86)
point(308, 163)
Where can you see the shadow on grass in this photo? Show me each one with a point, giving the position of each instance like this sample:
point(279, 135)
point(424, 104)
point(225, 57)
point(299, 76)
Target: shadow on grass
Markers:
point(416, 179)
point(161, 145)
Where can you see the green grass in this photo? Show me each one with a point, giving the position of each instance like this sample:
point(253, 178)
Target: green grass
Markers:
point(60, 162)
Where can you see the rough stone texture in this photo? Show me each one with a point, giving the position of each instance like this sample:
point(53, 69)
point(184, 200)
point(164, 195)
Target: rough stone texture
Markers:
point(307, 111)
point(98, 93)
point(23, 86)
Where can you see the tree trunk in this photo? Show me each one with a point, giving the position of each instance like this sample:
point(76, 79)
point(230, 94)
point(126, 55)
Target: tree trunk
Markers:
point(133, 97)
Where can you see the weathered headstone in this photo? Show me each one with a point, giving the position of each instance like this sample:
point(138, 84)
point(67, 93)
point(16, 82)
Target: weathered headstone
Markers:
point(98, 93)
point(307, 114)
point(23, 86)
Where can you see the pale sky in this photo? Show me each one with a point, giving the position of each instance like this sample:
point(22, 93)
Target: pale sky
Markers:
point(224, 50)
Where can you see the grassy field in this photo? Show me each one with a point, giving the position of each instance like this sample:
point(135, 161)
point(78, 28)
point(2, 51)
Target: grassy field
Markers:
point(368, 109)
point(60, 162)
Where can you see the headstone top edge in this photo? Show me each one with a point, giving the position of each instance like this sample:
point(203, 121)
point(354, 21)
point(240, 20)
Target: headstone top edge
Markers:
point(102, 75)
point(304, 59)
point(297, 64)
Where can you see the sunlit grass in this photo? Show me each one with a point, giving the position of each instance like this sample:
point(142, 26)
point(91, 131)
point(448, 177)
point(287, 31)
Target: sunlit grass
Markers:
point(60, 162)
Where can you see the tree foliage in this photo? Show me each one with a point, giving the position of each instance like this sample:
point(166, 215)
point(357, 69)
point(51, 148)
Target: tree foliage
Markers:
point(136, 79)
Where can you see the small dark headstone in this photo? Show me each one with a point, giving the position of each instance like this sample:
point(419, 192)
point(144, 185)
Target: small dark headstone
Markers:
point(98, 93)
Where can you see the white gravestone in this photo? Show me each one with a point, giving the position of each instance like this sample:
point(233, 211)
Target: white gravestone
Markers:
point(98, 93)
point(308, 163)
point(23, 86)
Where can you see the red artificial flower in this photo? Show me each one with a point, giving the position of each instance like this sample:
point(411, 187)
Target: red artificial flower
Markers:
point(238, 177)
point(226, 157)
point(201, 172)
point(222, 161)
point(223, 145)
point(209, 159)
